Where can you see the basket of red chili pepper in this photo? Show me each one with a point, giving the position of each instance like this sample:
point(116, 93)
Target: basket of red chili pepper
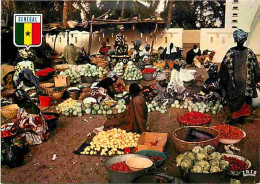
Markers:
point(156, 156)
point(237, 164)
point(193, 118)
point(45, 73)
point(148, 74)
point(229, 134)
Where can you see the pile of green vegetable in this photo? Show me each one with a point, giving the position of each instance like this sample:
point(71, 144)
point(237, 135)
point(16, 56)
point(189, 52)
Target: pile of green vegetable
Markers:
point(119, 68)
point(154, 106)
point(213, 107)
point(75, 76)
point(95, 108)
point(121, 107)
point(132, 72)
point(202, 160)
point(70, 107)
point(89, 71)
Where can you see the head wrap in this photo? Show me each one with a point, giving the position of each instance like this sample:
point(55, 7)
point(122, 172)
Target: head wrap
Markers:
point(240, 35)
point(160, 77)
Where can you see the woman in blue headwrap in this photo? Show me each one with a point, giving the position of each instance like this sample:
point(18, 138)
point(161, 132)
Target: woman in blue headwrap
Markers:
point(239, 74)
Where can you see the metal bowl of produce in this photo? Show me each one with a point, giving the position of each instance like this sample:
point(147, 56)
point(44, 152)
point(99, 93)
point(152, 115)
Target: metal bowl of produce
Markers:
point(123, 177)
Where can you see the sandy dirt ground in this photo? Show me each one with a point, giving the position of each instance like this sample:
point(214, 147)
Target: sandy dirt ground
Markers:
point(72, 132)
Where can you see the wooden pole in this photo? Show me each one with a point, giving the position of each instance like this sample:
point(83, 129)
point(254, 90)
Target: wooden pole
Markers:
point(154, 35)
point(90, 35)
point(169, 14)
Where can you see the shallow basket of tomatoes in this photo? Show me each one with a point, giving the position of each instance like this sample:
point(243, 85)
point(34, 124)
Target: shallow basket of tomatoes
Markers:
point(122, 176)
point(194, 118)
point(157, 156)
point(237, 164)
point(229, 134)
point(6, 130)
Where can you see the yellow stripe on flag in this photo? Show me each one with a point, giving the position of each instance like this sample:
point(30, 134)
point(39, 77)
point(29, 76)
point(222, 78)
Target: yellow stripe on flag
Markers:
point(27, 33)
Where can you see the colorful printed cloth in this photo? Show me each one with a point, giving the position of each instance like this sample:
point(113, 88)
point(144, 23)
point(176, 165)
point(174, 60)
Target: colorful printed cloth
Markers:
point(36, 123)
point(244, 111)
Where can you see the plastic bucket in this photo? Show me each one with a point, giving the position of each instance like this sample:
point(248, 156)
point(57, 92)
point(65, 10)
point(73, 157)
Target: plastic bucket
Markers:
point(52, 123)
point(45, 101)
point(155, 153)
point(121, 177)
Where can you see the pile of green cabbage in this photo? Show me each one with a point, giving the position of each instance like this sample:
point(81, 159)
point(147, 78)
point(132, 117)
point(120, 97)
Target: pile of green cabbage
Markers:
point(75, 76)
point(119, 68)
point(89, 70)
point(132, 72)
point(96, 108)
point(121, 107)
point(70, 107)
point(154, 106)
point(213, 107)
point(202, 160)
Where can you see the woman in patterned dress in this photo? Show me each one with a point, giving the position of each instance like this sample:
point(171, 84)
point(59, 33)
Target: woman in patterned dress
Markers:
point(30, 123)
point(239, 74)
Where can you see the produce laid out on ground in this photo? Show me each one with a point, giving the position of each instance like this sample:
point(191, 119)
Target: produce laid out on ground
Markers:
point(112, 142)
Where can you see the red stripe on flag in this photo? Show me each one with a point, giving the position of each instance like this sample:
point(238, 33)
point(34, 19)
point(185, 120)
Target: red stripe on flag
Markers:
point(36, 33)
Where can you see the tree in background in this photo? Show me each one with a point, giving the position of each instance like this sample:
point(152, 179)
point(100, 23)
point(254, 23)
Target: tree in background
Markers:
point(209, 13)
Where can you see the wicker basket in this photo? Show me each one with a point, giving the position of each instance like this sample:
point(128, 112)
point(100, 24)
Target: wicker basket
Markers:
point(61, 67)
point(47, 85)
point(9, 111)
point(57, 95)
point(159, 65)
point(183, 146)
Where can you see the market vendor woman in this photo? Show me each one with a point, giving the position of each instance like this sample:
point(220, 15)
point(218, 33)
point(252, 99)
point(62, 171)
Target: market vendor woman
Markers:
point(30, 123)
point(239, 74)
point(135, 117)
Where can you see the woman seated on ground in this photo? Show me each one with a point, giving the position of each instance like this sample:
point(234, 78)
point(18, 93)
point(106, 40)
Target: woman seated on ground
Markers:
point(104, 90)
point(135, 117)
point(30, 123)
point(203, 60)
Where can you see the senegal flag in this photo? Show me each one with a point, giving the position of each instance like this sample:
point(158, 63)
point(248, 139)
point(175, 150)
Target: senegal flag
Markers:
point(28, 30)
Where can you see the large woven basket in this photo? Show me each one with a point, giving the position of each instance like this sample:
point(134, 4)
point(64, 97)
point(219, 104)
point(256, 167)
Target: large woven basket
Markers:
point(183, 146)
point(10, 111)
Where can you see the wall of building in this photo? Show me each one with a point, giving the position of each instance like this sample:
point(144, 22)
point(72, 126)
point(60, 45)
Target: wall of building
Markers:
point(163, 38)
point(254, 38)
point(240, 13)
point(219, 40)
